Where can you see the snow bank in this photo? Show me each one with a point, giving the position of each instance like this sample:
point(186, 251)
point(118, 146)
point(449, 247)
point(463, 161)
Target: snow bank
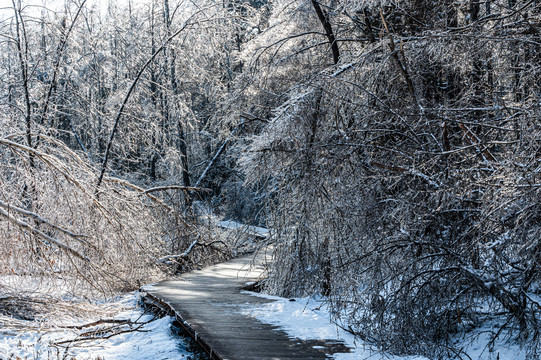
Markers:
point(309, 319)
point(250, 229)
point(153, 340)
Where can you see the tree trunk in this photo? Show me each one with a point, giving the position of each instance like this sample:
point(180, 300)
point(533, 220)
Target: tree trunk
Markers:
point(324, 19)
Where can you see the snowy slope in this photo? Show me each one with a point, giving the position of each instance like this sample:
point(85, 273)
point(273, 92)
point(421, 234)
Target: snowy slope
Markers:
point(154, 340)
point(308, 318)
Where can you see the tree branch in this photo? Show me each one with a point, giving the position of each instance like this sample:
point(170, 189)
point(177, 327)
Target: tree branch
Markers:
point(42, 235)
point(39, 219)
point(324, 19)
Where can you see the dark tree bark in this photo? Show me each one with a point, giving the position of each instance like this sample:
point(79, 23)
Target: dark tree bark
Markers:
point(324, 19)
point(125, 102)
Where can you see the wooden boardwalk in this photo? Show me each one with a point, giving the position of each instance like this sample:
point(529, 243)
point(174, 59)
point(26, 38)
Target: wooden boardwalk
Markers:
point(208, 304)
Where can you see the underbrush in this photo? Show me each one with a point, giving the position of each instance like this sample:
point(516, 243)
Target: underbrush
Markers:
point(52, 329)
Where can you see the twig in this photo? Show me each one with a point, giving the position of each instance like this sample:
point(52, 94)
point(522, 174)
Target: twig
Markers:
point(42, 235)
point(183, 255)
point(39, 219)
point(176, 187)
point(90, 338)
point(99, 322)
point(218, 153)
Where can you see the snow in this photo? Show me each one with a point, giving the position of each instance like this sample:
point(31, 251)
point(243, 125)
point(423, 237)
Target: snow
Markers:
point(233, 225)
point(154, 340)
point(309, 319)
point(302, 318)
point(478, 349)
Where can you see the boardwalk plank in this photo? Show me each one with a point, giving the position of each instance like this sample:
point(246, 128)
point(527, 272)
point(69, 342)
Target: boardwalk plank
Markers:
point(209, 304)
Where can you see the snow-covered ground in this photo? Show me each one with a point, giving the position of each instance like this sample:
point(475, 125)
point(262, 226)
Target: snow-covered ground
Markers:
point(153, 339)
point(250, 229)
point(309, 319)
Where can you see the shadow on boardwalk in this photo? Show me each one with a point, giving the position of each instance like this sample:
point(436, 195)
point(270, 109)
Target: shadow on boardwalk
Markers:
point(208, 304)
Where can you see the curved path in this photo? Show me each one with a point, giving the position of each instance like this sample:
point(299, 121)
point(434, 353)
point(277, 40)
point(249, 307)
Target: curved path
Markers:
point(208, 304)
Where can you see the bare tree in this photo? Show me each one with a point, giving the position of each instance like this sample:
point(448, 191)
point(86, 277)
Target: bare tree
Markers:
point(81, 97)
point(395, 180)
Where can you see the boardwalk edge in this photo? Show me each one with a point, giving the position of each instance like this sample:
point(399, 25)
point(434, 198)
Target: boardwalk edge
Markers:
point(151, 300)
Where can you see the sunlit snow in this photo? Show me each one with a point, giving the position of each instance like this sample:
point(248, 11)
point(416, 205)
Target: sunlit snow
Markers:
point(153, 340)
point(309, 319)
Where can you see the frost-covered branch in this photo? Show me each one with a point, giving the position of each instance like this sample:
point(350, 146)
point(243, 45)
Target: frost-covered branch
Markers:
point(42, 235)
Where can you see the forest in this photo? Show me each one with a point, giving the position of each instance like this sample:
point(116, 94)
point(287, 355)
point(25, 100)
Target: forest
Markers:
point(391, 147)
